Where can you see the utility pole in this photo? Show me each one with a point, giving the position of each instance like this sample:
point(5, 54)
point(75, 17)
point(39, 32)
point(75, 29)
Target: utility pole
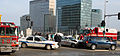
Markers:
point(105, 3)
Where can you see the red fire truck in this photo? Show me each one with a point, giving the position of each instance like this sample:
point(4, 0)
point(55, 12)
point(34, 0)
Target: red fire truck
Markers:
point(99, 31)
point(8, 37)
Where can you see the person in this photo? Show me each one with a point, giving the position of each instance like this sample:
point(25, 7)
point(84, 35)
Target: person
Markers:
point(58, 38)
point(47, 36)
point(52, 36)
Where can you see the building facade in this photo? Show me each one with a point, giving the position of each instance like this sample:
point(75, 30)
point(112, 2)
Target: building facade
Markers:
point(43, 14)
point(73, 14)
point(96, 17)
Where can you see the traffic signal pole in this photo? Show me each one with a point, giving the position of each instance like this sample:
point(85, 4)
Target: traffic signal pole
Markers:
point(105, 3)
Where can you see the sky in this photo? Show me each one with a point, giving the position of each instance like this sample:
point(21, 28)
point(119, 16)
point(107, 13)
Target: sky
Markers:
point(12, 10)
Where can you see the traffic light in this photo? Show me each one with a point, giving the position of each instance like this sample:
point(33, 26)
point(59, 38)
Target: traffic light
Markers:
point(118, 16)
point(103, 23)
point(31, 23)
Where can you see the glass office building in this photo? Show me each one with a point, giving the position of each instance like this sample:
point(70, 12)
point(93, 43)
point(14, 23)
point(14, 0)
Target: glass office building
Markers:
point(73, 14)
point(96, 17)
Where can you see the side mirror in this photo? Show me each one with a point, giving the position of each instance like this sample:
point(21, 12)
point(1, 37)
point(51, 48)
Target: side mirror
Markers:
point(16, 32)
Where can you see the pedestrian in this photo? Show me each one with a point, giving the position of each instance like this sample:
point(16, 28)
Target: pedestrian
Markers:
point(52, 36)
point(47, 36)
point(58, 38)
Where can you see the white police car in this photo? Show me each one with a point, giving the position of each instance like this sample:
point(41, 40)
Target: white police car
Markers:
point(69, 41)
point(37, 41)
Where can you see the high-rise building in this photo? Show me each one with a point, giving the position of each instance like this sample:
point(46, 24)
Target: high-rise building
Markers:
point(73, 14)
point(96, 17)
point(43, 14)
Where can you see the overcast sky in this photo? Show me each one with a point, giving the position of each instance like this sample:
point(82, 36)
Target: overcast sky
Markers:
point(12, 10)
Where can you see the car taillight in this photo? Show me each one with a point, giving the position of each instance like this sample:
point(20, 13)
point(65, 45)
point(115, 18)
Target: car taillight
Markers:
point(86, 41)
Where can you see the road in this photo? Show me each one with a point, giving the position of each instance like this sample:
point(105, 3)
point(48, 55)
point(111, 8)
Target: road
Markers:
point(63, 51)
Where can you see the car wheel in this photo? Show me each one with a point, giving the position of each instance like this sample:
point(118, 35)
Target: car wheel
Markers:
point(93, 47)
point(48, 47)
point(23, 45)
point(113, 47)
point(73, 45)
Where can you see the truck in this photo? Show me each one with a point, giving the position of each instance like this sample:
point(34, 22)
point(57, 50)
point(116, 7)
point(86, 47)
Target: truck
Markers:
point(98, 32)
point(8, 37)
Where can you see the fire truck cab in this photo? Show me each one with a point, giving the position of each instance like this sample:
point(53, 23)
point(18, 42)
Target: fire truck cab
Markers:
point(8, 37)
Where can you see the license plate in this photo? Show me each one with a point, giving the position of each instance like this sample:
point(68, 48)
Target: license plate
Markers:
point(6, 49)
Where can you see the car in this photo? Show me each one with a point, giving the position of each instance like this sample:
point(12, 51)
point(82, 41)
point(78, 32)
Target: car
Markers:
point(69, 41)
point(99, 42)
point(38, 41)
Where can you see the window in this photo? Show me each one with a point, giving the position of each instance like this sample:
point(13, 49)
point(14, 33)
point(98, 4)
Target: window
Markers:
point(98, 38)
point(10, 31)
point(66, 38)
point(2, 31)
point(37, 39)
point(71, 38)
point(42, 38)
point(30, 38)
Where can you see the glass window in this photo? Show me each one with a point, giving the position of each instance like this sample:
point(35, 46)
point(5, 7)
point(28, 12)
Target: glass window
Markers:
point(37, 39)
point(42, 38)
point(30, 38)
point(71, 38)
point(2, 31)
point(99, 38)
point(66, 38)
point(10, 31)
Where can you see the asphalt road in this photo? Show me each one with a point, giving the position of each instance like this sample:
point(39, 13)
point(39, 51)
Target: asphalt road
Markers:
point(63, 51)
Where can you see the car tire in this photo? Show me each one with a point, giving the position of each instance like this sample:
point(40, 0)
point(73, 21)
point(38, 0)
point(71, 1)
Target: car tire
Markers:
point(93, 47)
point(113, 47)
point(73, 45)
point(23, 45)
point(48, 47)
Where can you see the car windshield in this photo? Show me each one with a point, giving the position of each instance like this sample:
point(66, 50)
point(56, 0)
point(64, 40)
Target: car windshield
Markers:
point(71, 38)
point(10, 31)
point(85, 38)
point(42, 38)
point(2, 31)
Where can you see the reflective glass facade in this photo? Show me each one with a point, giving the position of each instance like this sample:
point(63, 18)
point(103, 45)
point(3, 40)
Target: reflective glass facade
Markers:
point(73, 14)
point(96, 17)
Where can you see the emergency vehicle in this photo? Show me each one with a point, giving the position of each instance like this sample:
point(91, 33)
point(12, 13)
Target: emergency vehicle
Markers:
point(98, 32)
point(8, 37)
point(37, 41)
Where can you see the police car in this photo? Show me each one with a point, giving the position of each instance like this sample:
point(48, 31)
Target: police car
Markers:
point(37, 41)
point(69, 41)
